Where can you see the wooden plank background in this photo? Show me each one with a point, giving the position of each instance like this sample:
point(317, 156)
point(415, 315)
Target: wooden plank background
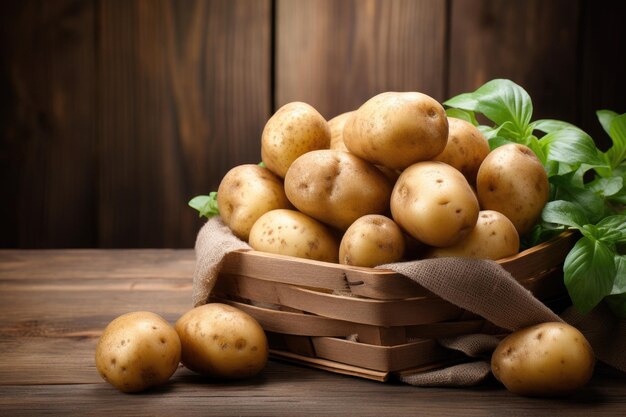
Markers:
point(114, 113)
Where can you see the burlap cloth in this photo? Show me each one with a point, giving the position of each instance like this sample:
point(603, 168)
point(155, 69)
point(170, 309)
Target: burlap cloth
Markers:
point(481, 287)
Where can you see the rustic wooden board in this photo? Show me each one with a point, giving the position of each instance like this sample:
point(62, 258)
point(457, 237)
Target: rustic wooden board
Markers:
point(49, 329)
point(48, 158)
point(183, 95)
point(534, 43)
point(335, 55)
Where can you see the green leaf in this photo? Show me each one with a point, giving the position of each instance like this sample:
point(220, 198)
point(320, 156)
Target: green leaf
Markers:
point(205, 204)
point(572, 146)
point(551, 125)
point(606, 187)
point(566, 188)
point(616, 225)
point(565, 213)
point(606, 117)
point(619, 283)
point(617, 131)
point(589, 270)
point(500, 101)
point(468, 116)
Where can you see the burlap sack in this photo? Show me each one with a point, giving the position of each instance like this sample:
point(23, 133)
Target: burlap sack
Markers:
point(482, 287)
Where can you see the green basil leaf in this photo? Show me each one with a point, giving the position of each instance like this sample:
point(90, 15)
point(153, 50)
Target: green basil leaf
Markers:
point(466, 115)
point(592, 205)
point(589, 271)
point(619, 283)
point(606, 187)
point(605, 117)
point(572, 146)
point(205, 204)
point(551, 125)
point(617, 131)
point(500, 101)
point(565, 213)
point(616, 225)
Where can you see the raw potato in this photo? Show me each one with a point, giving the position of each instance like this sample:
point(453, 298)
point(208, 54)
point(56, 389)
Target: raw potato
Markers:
point(336, 131)
point(466, 148)
point(494, 237)
point(396, 130)
point(289, 232)
point(295, 129)
point(434, 203)
point(222, 341)
point(512, 181)
point(548, 359)
point(247, 192)
point(336, 187)
point(370, 241)
point(137, 351)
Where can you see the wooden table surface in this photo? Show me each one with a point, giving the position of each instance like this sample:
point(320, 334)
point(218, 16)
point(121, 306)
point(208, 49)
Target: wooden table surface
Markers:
point(55, 303)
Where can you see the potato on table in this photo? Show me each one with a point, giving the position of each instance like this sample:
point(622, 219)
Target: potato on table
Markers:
point(295, 129)
point(336, 187)
point(222, 341)
point(397, 129)
point(137, 351)
point(245, 193)
point(336, 131)
point(548, 359)
point(434, 203)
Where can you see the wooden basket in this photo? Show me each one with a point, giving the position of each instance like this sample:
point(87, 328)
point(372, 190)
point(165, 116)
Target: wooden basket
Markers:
point(308, 319)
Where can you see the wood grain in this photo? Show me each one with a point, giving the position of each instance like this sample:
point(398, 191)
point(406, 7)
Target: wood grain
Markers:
point(534, 43)
point(49, 328)
point(47, 143)
point(602, 63)
point(183, 96)
point(335, 55)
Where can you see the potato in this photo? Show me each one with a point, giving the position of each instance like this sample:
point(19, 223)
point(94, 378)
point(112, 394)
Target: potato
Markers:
point(245, 193)
point(512, 181)
point(222, 341)
point(494, 237)
point(370, 241)
point(466, 148)
point(548, 359)
point(336, 125)
point(434, 203)
point(396, 130)
point(336, 187)
point(137, 351)
point(295, 129)
point(289, 232)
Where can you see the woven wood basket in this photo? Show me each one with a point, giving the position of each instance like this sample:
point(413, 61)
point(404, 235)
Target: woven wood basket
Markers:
point(312, 310)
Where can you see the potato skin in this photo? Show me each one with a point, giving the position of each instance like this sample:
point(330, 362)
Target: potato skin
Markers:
point(434, 203)
point(336, 187)
point(295, 129)
point(370, 241)
point(547, 359)
point(245, 193)
point(138, 350)
point(222, 341)
point(494, 237)
point(397, 129)
point(465, 149)
point(512, 181)
point(336, 125)
point(289, 232)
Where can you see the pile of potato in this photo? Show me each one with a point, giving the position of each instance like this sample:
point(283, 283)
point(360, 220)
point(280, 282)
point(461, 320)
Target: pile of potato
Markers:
point(395, 179)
